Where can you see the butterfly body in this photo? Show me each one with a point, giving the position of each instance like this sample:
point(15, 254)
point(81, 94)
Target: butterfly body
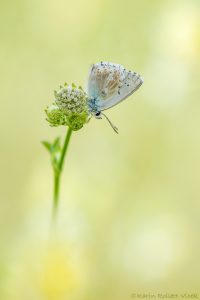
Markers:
point(108, 85)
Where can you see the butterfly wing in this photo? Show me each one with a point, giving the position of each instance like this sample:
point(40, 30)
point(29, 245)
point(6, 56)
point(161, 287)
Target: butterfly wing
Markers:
point(109, 84)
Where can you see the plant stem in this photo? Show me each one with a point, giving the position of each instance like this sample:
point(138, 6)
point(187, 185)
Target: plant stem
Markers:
point(65, 146)
point(56, 192)
point(57, 174)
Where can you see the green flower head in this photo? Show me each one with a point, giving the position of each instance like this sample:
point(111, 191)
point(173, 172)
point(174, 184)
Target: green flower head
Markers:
point(71, 99)
point(55, 116)
point(77, 120)
point(69, 108)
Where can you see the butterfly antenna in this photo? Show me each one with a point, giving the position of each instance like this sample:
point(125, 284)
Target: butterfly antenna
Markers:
point(111, 124)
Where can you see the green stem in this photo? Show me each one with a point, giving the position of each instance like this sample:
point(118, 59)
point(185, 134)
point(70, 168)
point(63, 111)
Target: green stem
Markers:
point(65, 146)
point(56, 192)
point(57, 174)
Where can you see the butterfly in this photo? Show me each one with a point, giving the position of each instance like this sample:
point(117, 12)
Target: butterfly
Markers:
point(108, 85)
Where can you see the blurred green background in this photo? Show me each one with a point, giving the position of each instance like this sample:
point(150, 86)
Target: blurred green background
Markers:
point(129, 215)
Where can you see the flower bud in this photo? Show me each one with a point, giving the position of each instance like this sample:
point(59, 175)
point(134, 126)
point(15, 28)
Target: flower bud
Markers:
point(71, 99)
point(55, 116)
point(77, 120)
point(72, 104)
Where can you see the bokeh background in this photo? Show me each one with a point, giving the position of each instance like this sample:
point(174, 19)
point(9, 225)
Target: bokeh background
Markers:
point(129, 216)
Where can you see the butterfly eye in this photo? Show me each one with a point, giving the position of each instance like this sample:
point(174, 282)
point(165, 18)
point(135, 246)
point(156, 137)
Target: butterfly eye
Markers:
point(98, 114)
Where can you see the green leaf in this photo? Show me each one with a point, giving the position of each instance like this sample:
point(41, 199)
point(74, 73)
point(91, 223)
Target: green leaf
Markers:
point(73, 85)
point(56, 144)
point(47, 145)
point(55, 152)
point(55, 160)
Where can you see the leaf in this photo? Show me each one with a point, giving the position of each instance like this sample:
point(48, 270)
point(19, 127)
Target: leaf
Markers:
point(73, 85)
point(56, 144)
point(55, 160)
point(47, 145)
point(55, 152)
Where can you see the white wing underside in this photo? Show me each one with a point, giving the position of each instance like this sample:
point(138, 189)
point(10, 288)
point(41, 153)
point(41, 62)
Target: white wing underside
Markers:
point(110, 84)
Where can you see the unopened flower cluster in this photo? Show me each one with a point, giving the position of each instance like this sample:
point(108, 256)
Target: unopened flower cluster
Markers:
point(69, 107)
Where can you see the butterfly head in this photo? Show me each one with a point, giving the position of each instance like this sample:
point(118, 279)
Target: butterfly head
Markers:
point(98, 115)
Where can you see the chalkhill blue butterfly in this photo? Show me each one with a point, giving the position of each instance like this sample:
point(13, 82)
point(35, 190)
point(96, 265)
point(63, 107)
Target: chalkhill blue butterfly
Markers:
point(108, 85)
